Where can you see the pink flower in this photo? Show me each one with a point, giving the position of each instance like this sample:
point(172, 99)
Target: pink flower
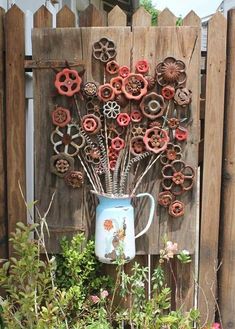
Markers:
point(170, 249)
point(215, 325)
point(95, 299)
point(104, 294)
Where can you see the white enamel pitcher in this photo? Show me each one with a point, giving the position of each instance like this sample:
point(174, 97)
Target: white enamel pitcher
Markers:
point(115, 231)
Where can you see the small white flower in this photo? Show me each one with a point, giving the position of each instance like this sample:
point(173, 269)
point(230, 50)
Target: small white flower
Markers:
point(111, 109)
point(185, 252)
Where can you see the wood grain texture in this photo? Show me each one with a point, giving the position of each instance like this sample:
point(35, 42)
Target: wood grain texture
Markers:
point(71, 208)
point(91, 16)
point(166, 18)
point(42, 18)
point(15, 116)
point(227, 230)
point(141, 17)
point(3, 191)
point(213, 141)
point(182, 43)
point(117, 17)
point(191, 19)
point(65, 18)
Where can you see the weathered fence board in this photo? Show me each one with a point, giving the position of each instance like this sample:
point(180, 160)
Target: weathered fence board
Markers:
point(15, 115)
point(3, 205)
point(76, 203)
point(166, 18)
point(91, 16)
point(227, 229)
point(65, 18)
point(213, 141)
point(117, 17)
point(42, 18)
point(141, 18)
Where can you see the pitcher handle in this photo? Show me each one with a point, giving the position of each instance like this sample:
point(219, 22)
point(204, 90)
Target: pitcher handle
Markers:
point(151, 213)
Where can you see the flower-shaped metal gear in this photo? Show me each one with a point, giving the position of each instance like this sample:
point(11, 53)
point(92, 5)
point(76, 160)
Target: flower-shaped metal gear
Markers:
point(104, 50)
point(177, 177)
point(74, 179)
point(152, 106)
point(91, 123)
point(68, 82)
point(173, 123)
point(137, 145)
point(118, 143)
point(181, 134)
point(61, 116)
point(151, 81)
point(90, 89)
point(136, 115)
point(134, 86)
point(171, 72)
point(156, 140)
point(183, 97)
point(173, 152)
point(92, 154)
point(68, 141)
point(168, 92)
point(116, 83)
point(124, 71)
point(106, 92)
point(138, 130)
point(93, 106)
point(61, 164)
point(123, 119)
point(142, 66)
point(176, 209)
point(112, 164)
point(165, 198)
point(112, 67)
point(111, 109)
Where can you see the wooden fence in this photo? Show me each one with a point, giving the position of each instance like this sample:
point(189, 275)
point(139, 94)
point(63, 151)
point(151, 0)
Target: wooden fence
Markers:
point(210, 232)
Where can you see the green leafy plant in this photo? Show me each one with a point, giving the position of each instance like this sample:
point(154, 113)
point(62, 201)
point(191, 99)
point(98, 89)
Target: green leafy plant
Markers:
point(148, 5)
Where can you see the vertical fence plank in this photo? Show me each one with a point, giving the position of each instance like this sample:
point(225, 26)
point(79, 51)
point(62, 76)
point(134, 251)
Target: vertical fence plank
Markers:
point(117, 17)
point(227, 255)
point(15, 115)
point(191, 19)
point(65, 18)
point(3, 205)
point(91, 16)
point(141, 18)
point(166, 18)
point(42, 17)
point(213, 140)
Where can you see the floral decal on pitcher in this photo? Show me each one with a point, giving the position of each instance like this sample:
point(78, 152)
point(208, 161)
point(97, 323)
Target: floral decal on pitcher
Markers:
point(115, 242)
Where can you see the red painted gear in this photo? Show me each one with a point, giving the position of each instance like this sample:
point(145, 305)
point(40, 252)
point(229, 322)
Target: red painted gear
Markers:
point(176, 209)
point(112, 164)
point(68, 82)
point(136, 115)
point(156, 139)
point(123, 119)
point(61, 117)
point(91, 123)
point(124, 71)
point(134, 86)
point(106, 92)
point(142, 66)
point(112, 153)
point(165, 198)
point(168, 92)
point(116, 84)
point(137, 145)
point(118, 143)
point(181, 134)
point(112, 67)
